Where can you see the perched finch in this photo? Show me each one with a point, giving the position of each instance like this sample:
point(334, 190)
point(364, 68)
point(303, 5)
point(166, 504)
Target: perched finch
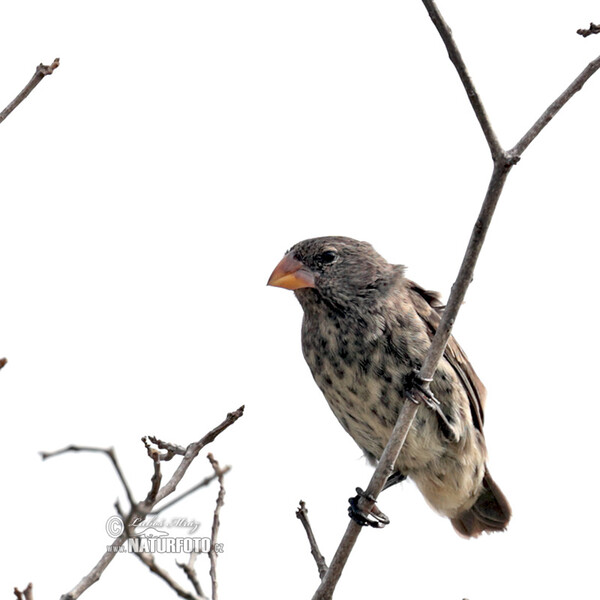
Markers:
point(365, 333)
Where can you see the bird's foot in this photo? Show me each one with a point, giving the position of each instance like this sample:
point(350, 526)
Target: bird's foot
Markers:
point(375, 518)
point(425, 395)
point(416, 382)
point(393, 479)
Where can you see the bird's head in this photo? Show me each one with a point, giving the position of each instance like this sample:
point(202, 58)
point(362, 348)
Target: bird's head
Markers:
point(340, 271)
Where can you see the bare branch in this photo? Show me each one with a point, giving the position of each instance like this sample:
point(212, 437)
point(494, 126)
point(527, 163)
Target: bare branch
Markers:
point(190, 571)
point(141, 509)
point(110, 452)
point(193, 450)
point(172, 449)
point(457, 60)
point(212, 554)
point(155, 455)
point(40, 72)
point(193, 489)
point(148, 559)
point(26, 594)
point(302, 514)
point(551, 111)
point(593, 29)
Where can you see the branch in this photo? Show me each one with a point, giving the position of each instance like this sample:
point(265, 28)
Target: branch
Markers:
point(551, 111)
point(3, 361)
point(593, 29)
point(26, 594)
point(193, 489)
point(212, 554)
point(142, 509)
point(457, 60)
point(40, 72)
point(191, 574)
point(503, 163)
point(302, 514)
point(110, 452)
point(148, 560)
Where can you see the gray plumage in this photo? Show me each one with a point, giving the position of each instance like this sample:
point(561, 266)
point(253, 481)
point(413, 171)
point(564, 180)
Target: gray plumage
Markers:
point(366, 330)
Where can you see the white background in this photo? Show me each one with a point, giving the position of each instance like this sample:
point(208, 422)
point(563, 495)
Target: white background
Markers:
point(149, 187)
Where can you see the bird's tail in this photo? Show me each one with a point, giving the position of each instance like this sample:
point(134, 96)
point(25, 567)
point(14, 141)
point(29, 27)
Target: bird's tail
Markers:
point(491, 511)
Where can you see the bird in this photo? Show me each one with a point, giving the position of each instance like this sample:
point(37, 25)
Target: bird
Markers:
point(366, 331)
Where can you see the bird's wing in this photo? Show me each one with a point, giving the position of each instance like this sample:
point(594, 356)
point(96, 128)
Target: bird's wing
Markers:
point(430, 308)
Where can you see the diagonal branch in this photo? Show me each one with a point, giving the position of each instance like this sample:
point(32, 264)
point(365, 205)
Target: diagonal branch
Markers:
point(212, 554)
point(302, 514)
point(40, 72)
point(193, 489)
point(457, 60)
point(551, 111)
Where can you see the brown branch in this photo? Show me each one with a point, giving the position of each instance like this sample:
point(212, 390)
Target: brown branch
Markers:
point(593, 29)
point(172, 449)
point(212, 554)
point(142, 509)
point(110, 452)
point(155, 455)
point(148, 560)
point(191, 574)
point(193, 489)
point(26, 594)
point(457, 60)
point(503, 163)
point(302, 514)
point(551, 111)
point(3, 361)
point(193, 450)
point(40, 72)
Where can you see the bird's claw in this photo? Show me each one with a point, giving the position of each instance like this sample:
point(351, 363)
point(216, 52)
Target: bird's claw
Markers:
point(417, 382)
point(375, 518)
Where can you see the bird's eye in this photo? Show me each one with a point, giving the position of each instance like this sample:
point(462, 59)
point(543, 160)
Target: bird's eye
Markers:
point(327, 257)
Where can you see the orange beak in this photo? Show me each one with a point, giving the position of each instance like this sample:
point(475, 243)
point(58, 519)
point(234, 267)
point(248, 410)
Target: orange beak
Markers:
point(291, 274)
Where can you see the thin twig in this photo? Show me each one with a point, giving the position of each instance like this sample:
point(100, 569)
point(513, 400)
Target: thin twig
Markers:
point(592, 30)
point(551, 111)
point(40, 72)
point(212, 554)
point(190, 572)
point(148, 559)
point(110, 452)
point(172, 449)
point(26, 594)
point(193, 489)
point(457, 60)
point(302, 514)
